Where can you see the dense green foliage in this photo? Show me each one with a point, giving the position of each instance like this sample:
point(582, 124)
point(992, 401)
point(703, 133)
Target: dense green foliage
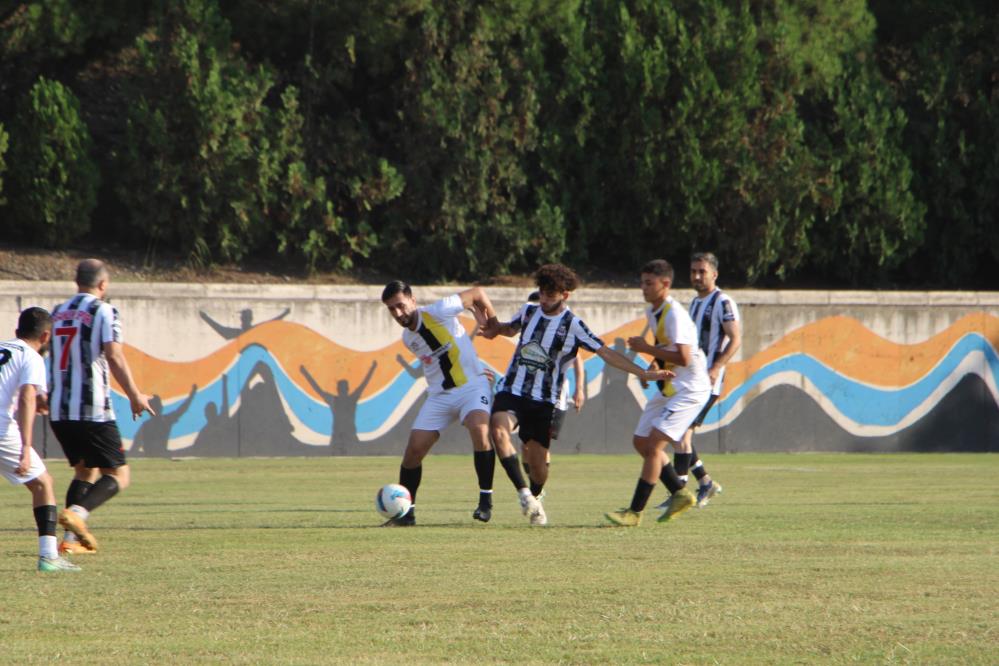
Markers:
point(821, 143)
point(54, 181)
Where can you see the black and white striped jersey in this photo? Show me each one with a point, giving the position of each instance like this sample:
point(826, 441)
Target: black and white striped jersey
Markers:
point(545, 351)
point(709, 315)
point(80, 379)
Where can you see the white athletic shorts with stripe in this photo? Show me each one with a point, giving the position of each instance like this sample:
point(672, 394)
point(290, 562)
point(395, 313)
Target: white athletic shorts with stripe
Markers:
point(673, 415)
point(442, 409)
point(10, 457)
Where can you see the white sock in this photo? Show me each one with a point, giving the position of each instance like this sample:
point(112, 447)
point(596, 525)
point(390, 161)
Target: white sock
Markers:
point(47, 546)
point(80, 511)
point(524, 492)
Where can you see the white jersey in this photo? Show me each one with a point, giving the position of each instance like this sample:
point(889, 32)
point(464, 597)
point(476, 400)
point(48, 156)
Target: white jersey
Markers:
point(81, 382)
point(709, 315)
point(20, 365)
point(671, 325)
point(443, 346)
point(545, 351)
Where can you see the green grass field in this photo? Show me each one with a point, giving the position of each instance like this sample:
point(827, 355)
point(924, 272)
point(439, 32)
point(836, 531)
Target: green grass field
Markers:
point(803, 559)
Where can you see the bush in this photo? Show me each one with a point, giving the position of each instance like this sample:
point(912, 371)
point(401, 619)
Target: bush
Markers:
point(54, 187)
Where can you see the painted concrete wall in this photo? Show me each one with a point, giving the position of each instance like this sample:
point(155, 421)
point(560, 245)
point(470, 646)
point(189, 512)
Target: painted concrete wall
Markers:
point(320, 370)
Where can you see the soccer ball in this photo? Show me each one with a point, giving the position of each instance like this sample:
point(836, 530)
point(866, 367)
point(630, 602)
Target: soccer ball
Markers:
point(393, 501)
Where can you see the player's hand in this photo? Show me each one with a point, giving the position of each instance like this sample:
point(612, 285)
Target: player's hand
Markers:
point(578, 399)
point(639, 344)
point(139, 404)
point(713, 373)
point(656, 375)
point(24, 464)
point(41, 404)
point(490, 329)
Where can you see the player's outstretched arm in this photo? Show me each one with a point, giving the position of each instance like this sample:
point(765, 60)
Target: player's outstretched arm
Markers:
point(621, 362)
point(123, 374)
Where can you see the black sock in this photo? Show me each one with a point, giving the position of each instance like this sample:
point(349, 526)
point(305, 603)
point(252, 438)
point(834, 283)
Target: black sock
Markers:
point(670, 479)
point(410, 478)
point(512, 467)
point(485, 468)
point(105, 488)
point(536, 488)
point(45, 519)
point(681, 461)
point(77, 491)
point(642, 491)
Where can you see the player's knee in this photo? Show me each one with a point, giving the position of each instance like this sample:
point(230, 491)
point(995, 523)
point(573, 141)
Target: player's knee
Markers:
point(121, 476)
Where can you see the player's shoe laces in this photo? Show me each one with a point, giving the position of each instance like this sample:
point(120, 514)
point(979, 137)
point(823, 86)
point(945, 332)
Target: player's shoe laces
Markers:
point(705, 493)
point(624, 517)
point(74, 548)
point(78, 526)
point(406, 520)
point(51, 564)
point(483, 512)
point(681, 500)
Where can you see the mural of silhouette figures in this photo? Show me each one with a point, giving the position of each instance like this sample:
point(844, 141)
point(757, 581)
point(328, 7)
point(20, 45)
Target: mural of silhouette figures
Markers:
point(154, 435)
point(220, 434)
point(264, 426)
point(245, 323)
point(609, 415)
point(343, 405)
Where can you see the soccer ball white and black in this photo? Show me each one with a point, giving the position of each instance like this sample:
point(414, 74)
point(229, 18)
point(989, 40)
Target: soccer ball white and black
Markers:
point(393, 501)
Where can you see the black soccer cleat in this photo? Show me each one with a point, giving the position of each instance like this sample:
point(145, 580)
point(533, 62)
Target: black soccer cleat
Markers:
point(483, 513)
point(406, 520)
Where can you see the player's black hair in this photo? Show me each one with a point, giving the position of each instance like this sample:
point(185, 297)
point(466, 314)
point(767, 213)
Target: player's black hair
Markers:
point(708, 257)
point(32, 323)
point(660, 268)
point(534, 297)
point(394, 287)
point(556, 277)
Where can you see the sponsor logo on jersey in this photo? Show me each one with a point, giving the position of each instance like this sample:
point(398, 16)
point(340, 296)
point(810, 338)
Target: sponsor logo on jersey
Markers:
point(533, 356)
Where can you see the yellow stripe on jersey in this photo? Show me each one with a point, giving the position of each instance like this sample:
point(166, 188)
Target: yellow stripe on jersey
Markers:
point(665, 386)
point(455, 372)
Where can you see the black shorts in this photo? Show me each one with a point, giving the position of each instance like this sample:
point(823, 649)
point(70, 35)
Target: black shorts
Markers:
point(534, 418)
point(704, 412)
point(97, 444)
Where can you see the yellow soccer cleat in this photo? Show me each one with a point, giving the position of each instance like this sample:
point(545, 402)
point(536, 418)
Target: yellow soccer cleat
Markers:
point(75, 548)
point(78, 526)
point(624, 517)
point(681, 500)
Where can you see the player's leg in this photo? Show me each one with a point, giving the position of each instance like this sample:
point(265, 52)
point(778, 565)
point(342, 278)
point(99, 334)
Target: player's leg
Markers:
point(44, 507)
point(84, 479)
point(501, 425)
point(650, 446)
point(484, 458)
point(102, 448)
point(673, 423)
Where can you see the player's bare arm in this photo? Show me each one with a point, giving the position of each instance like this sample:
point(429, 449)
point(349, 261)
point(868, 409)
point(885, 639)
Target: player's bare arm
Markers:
point(734, 332)
point(26, 403)
point(621, 362)
point(681, 356)
point(123, 375)
point(476, 300)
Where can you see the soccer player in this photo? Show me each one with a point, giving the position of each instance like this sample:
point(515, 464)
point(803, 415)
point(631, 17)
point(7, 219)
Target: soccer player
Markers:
point(22, 390)
point(86, 344)
point(719, 335)
point(550, 337)
point(558, 416)
point(457, 387)
point(669, 413)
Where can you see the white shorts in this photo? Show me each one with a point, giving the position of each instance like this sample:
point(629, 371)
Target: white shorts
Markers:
point(441, 409)
point(10, 458)
point(673, 415)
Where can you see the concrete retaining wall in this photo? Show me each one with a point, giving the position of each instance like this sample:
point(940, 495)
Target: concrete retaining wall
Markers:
point(319, 370)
